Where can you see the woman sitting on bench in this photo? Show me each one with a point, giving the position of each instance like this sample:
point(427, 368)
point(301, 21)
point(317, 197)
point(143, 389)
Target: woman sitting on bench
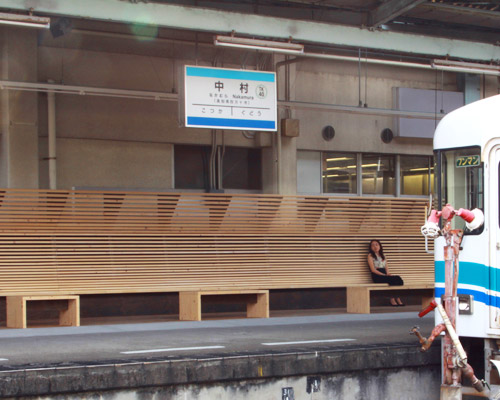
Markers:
point(380, 273)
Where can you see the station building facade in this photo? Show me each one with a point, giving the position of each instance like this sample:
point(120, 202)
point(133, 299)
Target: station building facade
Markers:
point(341, 129)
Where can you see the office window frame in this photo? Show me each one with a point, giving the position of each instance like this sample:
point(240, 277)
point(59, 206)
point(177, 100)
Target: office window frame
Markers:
point(397, 174)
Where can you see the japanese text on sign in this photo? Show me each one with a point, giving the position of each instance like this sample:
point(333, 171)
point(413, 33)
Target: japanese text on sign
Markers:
point(467, 161)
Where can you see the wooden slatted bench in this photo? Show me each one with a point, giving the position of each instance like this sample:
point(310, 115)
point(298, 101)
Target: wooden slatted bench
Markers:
point(257, 302)
point(16, 309)
point(358, 297)
point(76, 243)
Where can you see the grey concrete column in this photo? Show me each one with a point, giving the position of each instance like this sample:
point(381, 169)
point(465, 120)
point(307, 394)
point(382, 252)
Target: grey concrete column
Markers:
point(490, 85)
point(287, 164)
point(288, 173)
point(269, 170)
point(19, 110)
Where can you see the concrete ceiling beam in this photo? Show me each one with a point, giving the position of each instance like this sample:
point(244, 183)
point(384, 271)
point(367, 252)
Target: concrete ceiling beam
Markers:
point(200, 19)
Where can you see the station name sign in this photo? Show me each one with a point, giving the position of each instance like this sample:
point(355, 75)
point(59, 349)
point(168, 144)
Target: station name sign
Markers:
point(220, 98)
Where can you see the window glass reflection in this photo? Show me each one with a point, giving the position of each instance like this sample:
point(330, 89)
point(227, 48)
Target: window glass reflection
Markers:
point(378, 174)
point(417, 175)
point(339, 173)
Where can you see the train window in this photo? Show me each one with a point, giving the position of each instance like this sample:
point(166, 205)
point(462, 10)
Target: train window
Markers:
point(462, 183)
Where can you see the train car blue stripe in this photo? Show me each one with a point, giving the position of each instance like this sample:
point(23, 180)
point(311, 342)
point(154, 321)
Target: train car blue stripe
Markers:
point(230, 74)
point(473, 274)
point(478, 295)
point(470, 273)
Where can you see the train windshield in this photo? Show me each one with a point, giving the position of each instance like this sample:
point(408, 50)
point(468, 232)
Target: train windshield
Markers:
point(461, 182)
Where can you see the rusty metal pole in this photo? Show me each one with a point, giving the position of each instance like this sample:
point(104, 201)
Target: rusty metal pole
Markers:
point(451, 375)
point(454, 357)
point(450, 388)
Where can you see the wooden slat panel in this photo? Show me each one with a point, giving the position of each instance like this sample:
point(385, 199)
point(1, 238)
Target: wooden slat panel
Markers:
point(117, 242)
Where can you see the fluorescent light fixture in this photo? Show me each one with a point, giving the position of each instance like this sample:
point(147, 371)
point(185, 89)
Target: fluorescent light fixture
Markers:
point(459, 66)
point(334, 168)
point(257, 44)
point(338, 159)
point(352, 166)
point(421, 169)
point(25, 20)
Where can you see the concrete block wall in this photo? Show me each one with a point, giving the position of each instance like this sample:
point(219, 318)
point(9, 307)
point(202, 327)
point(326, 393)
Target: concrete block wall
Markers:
point(128, 143)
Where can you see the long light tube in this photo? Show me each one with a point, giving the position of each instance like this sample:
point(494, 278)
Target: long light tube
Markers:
point(85, 90)
point(421, 169)
point(339, 159)
point(298, 49)
point(256, 44)
point(29, 21)
point(352, 166)
point(459, 66)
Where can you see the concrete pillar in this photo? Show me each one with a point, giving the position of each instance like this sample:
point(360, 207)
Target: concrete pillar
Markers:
point(19, 109)
point(490, 85)
point(288, 173)
point(286, 147)
point(269, 164)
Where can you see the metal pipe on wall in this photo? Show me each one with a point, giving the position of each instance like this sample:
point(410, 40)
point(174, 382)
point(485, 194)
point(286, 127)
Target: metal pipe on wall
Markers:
point(164, 96)
point(212, 161)
point(51, 111)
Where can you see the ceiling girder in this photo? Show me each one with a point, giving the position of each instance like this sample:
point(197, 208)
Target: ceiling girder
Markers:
point(495, 15)
point(389, 10)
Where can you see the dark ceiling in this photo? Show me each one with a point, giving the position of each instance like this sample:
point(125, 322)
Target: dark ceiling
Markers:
point(477, 21)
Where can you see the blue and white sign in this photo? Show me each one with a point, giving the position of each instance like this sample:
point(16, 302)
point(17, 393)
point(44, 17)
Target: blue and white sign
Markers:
point(221, 98)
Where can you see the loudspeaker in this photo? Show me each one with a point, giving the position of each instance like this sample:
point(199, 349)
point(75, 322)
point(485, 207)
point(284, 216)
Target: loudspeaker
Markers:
point(290, 127)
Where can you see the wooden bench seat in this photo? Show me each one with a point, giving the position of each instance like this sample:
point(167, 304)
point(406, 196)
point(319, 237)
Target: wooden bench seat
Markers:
point(257, 302)
point(16, 309)
point(358, 297)
point(103, 242)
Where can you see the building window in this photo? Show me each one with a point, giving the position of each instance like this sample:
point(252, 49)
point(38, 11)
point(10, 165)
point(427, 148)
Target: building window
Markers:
point(241, 168)
point(339, 173)
point(364, 174)
point(417, 175)
point(379, 174)
point(191, 167)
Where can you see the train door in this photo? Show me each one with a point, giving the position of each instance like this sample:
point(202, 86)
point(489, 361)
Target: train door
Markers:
point(493, 217)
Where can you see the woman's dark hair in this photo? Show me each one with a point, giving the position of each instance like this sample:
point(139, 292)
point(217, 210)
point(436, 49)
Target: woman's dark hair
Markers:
point(381, 249)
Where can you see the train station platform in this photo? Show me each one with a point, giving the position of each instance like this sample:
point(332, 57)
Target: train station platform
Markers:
point(334, 355)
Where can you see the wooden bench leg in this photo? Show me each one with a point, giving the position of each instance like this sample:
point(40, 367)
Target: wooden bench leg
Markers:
point(190, 306)
point(16, 312)
point(259, 309)
point(70, 316)
point(358, 300)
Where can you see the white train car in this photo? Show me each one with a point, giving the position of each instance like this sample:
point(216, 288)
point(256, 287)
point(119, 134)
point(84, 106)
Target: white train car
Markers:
point(467, 151)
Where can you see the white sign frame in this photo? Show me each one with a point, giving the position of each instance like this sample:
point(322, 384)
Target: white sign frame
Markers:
point(222, 98)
